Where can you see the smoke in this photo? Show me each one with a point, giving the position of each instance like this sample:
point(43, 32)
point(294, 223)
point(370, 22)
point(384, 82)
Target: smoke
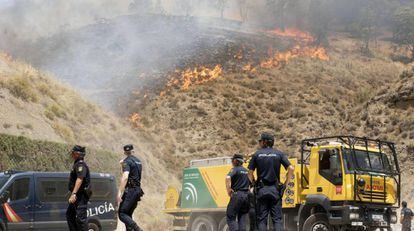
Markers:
point(111, 48)
point(31, 19)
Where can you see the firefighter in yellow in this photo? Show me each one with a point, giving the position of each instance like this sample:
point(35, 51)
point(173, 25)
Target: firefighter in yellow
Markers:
point(237, 185)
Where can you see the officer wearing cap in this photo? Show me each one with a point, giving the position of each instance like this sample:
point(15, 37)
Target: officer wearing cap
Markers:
point(267, 161)
point(237, 185)
point(130, 191)
point(406, 217)
point(79, 186)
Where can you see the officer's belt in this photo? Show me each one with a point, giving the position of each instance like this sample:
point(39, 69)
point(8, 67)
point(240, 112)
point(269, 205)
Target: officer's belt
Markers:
point(263, 183)
point(132, 184)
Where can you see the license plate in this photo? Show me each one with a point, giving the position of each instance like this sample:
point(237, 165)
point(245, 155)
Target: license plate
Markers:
point(377, 217)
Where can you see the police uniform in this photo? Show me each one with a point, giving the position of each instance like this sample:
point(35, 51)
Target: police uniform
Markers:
point(133, 191)
point(238, 207)
point(267, 161)
point(406, 222)
point(76, 214)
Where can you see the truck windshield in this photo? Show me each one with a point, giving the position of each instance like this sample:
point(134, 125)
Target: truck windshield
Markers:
point(366, 161)
point(3, 180)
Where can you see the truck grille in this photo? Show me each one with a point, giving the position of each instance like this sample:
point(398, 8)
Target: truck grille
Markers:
point(376, 196)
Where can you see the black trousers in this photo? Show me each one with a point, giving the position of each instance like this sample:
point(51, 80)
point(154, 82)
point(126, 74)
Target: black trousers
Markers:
point(237, 211)
point(76, 214)
point(406, 227)
point(126, 208)
point(269, 202)
point(252, 212)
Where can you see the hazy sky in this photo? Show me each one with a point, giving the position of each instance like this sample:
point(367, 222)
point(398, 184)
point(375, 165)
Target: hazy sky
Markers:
point(4, 3)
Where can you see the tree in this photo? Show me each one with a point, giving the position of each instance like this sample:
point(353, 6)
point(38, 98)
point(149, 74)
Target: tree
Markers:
point(242, 9)
point(403, 29)
point(281, 6)
point(319, 18)
point(221, 5)
point(365, 27)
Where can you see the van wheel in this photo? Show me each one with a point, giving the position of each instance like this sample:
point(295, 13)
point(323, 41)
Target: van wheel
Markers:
point(317, 222)
point(223, 226)
point(203, 223)
point(93, 227)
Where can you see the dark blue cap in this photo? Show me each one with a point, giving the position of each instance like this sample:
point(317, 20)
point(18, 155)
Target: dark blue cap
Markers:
point(128, 147)
point(78, 148)
point(238, 157)
point(266, 137)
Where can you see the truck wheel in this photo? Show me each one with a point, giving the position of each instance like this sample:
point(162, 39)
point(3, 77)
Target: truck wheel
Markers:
point(203, 223)
point(93, 227)
point(317, 222)
point(223, 226)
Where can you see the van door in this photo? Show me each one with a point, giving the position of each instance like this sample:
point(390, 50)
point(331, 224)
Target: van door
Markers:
point(51, 202)
point(19, 206)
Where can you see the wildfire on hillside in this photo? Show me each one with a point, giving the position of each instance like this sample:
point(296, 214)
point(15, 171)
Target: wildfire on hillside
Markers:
point(283, 57)
point(193, 76)
point(183, 79)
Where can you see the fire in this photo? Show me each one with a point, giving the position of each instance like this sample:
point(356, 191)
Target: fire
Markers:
point(249, 68)
point(193, 76)
point(298, 51)
point(135, 119)
point(293, 33)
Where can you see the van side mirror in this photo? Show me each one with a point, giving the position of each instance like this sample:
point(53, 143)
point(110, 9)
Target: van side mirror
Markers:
point(4, 196)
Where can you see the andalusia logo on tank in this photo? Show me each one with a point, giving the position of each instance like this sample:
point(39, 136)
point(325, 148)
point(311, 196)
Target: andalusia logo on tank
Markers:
point(195, 193)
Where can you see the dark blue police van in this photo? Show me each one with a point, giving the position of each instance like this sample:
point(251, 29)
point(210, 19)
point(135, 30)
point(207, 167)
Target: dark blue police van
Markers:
point(38, 201)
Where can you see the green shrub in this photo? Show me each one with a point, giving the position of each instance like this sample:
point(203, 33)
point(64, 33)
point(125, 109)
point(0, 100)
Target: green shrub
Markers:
point(20, 153)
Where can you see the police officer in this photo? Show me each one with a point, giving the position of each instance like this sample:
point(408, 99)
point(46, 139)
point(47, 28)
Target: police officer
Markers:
point(406, 217)
point(267, 161)
point(79, 186)
point(237, 185)
point(130, 191)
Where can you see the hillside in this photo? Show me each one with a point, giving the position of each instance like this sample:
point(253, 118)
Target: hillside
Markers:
point(306, 97)
point(34, 105)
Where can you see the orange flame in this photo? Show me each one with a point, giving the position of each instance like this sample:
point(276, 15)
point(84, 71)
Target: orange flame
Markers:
point(195, 76)
point(249, 68)
point(135, 119)
point(283, 57)
point(293, 33)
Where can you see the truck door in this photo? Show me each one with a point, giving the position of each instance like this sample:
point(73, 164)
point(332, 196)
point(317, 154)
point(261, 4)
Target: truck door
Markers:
point(19, 206)
point(51, 202)
point(330, 171)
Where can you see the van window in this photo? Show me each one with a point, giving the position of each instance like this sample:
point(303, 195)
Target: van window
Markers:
point(52, 189)
point(102, 189)
point(3, 181)
point(19, 190)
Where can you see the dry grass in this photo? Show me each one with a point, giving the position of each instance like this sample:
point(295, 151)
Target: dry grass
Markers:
point(304, 98)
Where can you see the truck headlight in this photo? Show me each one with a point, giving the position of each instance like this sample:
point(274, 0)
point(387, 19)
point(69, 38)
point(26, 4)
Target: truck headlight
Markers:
point(354, 216)
point(393, 218)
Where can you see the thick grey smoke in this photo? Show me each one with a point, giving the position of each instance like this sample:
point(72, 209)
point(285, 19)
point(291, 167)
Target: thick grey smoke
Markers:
point(109, 48)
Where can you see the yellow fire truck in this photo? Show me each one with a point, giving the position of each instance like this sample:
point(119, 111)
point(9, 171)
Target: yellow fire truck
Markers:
point(340, 183)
